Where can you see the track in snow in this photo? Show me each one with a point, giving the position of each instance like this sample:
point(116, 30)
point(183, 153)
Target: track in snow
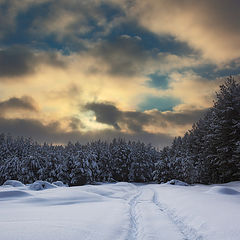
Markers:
point(188, 232)
point(133, 229)
point(143, 206)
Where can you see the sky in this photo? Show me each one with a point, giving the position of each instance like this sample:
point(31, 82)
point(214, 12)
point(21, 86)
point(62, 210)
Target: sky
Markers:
point(97, 69)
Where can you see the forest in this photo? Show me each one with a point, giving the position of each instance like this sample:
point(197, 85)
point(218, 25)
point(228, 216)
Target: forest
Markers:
point(208, 153)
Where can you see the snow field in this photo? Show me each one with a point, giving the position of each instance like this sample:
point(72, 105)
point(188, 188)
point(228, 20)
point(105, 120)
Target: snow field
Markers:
point(121, 211)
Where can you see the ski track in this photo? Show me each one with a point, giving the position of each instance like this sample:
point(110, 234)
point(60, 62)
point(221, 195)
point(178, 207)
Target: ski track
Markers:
point(188, 232)
point(134, 228)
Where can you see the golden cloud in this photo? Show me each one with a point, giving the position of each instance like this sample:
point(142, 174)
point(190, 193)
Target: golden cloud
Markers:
point(210, 26)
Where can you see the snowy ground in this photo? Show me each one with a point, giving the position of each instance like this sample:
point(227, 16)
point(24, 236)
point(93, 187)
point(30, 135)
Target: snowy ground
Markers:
point(121, 211)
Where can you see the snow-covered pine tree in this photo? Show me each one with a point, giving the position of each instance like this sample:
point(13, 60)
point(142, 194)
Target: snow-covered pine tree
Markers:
point(121, 159)
point(163, 170)
point(225, 131)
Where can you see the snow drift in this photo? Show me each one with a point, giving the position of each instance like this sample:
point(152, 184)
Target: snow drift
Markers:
point(13, 183)
point(41, 185)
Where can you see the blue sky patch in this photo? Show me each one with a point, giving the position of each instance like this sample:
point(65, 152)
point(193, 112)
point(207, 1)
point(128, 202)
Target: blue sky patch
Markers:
point(158, 81)
point(160, 103)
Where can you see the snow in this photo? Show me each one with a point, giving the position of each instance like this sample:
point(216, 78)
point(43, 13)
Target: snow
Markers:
point(14, 183)
point(41, 185)
point(13, 194)
point(121, 211)
point(223, 190)
point(59, 183)
point(177, 182)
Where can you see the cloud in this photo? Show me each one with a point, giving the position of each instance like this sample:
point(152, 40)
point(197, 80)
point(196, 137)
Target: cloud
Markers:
point(71, 91)
point(178, 118)
point(75, 123)
point(109, 114)
point(53, 133)
point(210, 26)
point(30, 127)
point(10, 10)
point(24, 103)
point(105, 113)
point(18, 61)
point(194, 91)
point(73, 20)
point(135, 121)
point(126, 57)
point(131, 125)
point(125, 36)
point(88, 23)
point(123, 56)
point(64, 18)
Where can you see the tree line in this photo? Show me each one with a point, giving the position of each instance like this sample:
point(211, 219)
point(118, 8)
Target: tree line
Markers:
point(75, 164)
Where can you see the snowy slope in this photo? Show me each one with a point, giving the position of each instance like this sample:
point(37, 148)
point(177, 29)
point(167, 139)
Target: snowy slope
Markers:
point(121, 211)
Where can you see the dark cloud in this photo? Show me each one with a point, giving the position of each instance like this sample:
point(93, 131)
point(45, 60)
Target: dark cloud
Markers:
point(105, 113)
point(17, 61)
point(109, 114)
point(29, 128)
point(53, 133)
point(135, 121)
point(123, 56)
point(14, 103)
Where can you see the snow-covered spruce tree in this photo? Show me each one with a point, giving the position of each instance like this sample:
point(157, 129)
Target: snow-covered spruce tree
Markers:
point(236, 158)
point(196, 152)
point(10, 169)
point(187, 158)
point(163, 170)
point(142, 159)
point(103, 158)
point(78, 175)
point(171, 162)
point(121, 159)
point(224, 133)
point(90, 164)
point(76, 169)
